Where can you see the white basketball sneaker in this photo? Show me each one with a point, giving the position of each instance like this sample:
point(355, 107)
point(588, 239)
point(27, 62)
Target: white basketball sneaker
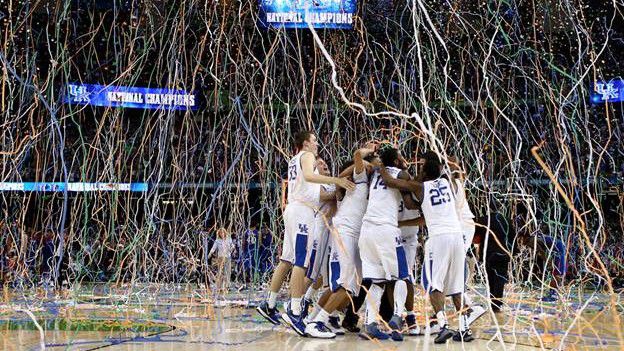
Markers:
point(318, 330)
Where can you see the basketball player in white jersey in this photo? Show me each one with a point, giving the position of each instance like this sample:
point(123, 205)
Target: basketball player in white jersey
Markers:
point(444, 248)
point(345, 275)
point(318, 251)
point(326, 207)
point(381, 248)
point(303, 192)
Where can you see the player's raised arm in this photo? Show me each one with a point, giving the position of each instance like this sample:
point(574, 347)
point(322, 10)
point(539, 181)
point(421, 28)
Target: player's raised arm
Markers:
point(307, 166)
point(358, 159)
point(456, 173)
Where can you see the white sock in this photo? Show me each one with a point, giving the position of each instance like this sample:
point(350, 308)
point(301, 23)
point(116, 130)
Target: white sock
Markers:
point(310, 293)
point(441, 317)
point(372, 303)
point(400, 296)
point(272, 299)
point(322, 316)
point(295, 305)
point(335, 314)
point(317, 308)
point(411, 313)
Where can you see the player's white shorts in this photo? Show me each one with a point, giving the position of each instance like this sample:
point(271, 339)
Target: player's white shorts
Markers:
point(382, 253)
point(410, 245)
point(298, 225)
point(318, 249)
point(468, 228)
point(345, 266)
point(443, 269)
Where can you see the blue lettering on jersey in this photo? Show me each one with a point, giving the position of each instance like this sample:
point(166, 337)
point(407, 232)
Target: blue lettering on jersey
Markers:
point(292, 173)
point(439, 196)
point(379, 182)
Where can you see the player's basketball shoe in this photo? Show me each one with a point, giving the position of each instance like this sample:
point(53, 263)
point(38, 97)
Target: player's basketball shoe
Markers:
point(318, 330)
point(396, 324)
point(432, 328)
point(464, 336)
point(444, 334)
point(295, 322)
point(270, 314)
point(334, 325)
point(412, 326)
point(371, 332)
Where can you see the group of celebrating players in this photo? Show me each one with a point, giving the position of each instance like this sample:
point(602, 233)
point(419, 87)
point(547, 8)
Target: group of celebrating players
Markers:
point(358, 234)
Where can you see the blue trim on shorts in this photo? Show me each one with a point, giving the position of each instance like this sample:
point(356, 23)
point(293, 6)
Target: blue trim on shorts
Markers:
point(402, 262)
point(301, 249)
point(311, 264)
point(334, 269)
point(425, 279)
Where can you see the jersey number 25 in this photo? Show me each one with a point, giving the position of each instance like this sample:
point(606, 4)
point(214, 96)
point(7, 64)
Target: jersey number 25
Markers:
point(439, 196)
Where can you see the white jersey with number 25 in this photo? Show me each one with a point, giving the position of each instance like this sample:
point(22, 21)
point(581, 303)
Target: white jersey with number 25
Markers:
point(438, 207)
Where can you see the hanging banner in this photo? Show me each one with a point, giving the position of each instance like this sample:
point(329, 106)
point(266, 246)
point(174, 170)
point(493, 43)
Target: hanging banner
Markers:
point(297, 14)
point(133, 97)
point(56, 187)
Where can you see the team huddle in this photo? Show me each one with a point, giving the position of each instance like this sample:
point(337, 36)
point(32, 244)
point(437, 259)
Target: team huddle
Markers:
point(358, 234)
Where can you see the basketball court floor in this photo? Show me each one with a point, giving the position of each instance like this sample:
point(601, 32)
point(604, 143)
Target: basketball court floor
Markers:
point(158, 317)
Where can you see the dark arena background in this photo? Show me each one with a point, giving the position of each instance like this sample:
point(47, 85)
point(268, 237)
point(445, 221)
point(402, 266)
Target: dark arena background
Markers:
point(133, 131)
